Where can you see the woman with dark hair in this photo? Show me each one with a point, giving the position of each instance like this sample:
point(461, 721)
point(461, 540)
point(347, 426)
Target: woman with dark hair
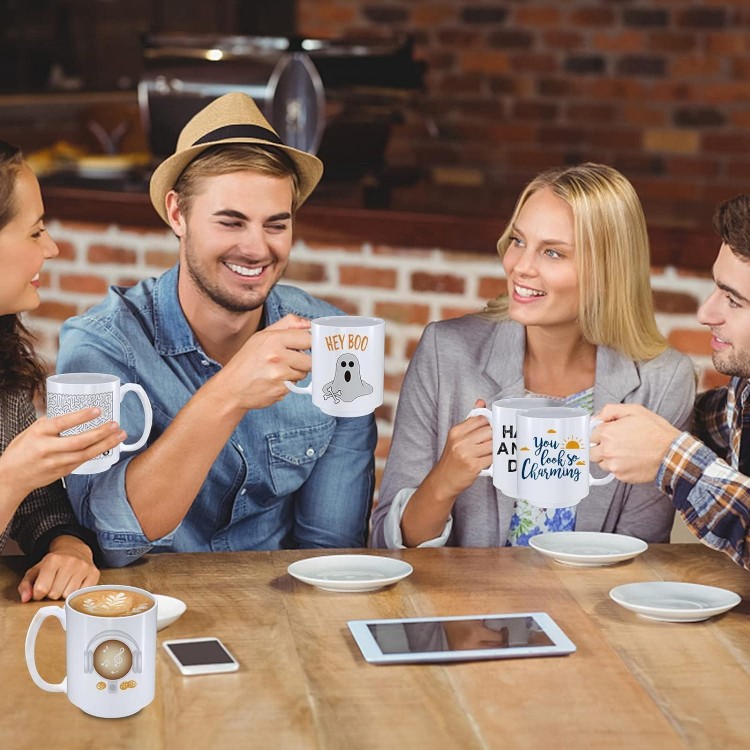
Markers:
point(34, 509)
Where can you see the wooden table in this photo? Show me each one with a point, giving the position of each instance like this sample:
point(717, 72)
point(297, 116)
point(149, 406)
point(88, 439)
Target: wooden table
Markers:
point(633, 683)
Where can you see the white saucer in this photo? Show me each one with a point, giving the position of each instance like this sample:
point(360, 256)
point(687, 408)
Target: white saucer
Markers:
point(674, 602)
point(586, 548)
point(170, 610)
point(349, 572)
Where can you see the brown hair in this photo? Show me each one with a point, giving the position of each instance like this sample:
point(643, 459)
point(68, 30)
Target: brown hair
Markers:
point(20, 367)
point(732, 224)
point(218, 160)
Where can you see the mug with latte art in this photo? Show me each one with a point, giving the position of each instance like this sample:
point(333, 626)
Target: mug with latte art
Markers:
point(110, 634)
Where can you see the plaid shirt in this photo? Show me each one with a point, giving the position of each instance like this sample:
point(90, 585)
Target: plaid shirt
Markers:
point(702, 474)
point(46, 512)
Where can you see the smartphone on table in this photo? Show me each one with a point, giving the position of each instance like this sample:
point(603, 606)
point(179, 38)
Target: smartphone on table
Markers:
point(200, 656)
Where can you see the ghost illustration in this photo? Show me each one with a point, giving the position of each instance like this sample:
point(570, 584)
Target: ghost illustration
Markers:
point(347, 383)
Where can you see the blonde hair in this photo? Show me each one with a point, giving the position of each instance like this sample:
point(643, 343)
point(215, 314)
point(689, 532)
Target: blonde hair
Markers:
point(219, 160)
point(616, 306)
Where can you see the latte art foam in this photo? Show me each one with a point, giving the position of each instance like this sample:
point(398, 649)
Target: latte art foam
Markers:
point(111, 603)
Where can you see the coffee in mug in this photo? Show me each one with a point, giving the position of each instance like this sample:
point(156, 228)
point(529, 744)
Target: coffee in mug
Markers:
point(106, 602)
point(110, 642)
point(553, 456)
point(77, 390)
point(502, 419)
point(348, 359)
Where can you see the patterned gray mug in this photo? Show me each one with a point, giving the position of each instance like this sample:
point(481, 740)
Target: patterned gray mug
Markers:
point(78, 390)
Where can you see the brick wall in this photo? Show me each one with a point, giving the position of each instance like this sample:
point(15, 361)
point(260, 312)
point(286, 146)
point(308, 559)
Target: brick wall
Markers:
point(656, 88)
point(406, 287)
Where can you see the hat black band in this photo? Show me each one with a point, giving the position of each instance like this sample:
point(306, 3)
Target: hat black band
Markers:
point(239, 131)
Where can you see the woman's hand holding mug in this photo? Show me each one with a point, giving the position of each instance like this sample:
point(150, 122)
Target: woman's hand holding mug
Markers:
point(38, 456)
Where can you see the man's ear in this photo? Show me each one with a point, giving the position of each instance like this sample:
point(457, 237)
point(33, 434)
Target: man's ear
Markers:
point(175, 215)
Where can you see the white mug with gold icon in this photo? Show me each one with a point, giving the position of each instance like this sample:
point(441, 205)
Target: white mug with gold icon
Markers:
point(553, 456)
point(348, 359)
point(110, 637)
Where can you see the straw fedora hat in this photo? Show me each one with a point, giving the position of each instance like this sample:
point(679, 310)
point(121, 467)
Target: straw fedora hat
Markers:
point(232, 118)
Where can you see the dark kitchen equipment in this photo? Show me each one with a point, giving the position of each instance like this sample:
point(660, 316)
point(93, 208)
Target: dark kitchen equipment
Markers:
point(339, 99)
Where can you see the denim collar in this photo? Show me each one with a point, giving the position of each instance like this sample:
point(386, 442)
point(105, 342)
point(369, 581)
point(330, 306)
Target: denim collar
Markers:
point(172, 332)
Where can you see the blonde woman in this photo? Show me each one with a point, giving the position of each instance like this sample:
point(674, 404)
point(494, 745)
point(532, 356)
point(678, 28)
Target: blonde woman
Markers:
point(576, 325)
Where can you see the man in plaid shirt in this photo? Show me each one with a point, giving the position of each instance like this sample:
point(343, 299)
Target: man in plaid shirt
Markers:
point(706, 473)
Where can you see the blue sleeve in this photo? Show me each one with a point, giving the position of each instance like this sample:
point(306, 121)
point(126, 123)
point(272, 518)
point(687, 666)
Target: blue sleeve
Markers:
point(332, 509)
point(99, 500)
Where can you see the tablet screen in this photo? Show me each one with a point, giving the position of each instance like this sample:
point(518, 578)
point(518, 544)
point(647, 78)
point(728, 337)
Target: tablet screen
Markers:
point(459, 635)
point(460, 638)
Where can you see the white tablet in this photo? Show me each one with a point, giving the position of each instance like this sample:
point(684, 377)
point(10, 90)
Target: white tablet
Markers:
point(462, 638)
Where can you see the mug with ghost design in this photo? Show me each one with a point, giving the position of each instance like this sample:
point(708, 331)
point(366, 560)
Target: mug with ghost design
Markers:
point(348, 358)
point(553, 456)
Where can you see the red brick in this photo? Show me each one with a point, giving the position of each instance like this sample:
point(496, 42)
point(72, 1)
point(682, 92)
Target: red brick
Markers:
point(411, 347)
point(404, 313)
point(393, 382)
point(563, 39)
point(110, 254)
point(83, 284)
point(482, 61)
point(383, 278)
point(530, 62)
point(446, 283)
point(687, 166)
point(126, 281)
point(670, 41)
point(623, 41)
point(384, 413)
point(431, 15)
point(447, 313)
point(696, 66)
point(55, 310)
point(490, 288)
point(544, 16)
point(726, 143)
point(691, 341)
point(592, 16)
point(349, 306)
point(590, 112)
point(299, 271)
point(674, 302)
point(67, 250)
point(161, 258)
point(382, 448)
point(635, 113)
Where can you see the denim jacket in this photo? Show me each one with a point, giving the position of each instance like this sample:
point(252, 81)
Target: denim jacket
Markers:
point(290, 476)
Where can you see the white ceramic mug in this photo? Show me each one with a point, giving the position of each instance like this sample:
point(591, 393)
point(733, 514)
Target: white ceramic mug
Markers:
point(553, 456)
point(77, 390)
point(348, 358)
point(111, 660)
point(502, 419)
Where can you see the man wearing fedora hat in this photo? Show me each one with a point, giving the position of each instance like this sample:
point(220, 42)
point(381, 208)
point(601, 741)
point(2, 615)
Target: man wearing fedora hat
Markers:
point(234, 461)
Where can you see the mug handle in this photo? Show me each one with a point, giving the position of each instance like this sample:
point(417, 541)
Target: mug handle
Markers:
point(600, 480)
point(294, 388)
point(487, 414)
point(147, 415)
point(36, 623)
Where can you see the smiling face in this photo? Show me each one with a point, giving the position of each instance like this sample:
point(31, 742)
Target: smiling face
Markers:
point(727, 313)
point(540, 263)
point(235, 239)
point(24, 246)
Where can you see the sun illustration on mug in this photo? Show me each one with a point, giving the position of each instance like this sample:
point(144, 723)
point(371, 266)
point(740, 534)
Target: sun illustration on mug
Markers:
point(572, 444)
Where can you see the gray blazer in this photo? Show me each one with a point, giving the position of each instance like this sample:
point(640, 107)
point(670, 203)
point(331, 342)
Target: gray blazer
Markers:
point(458, 361)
